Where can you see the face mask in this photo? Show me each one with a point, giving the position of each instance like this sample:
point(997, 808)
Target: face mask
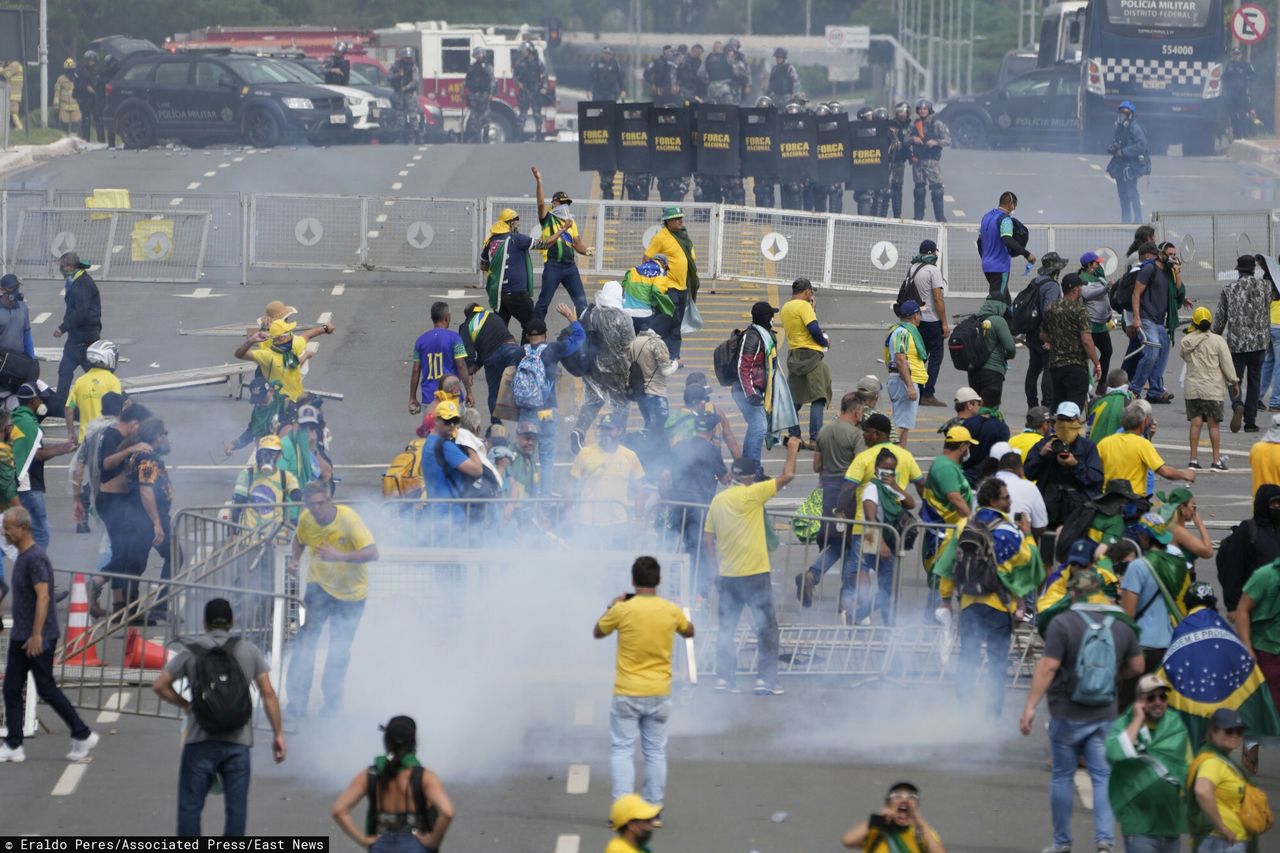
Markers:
point(884, 473)
point(42, 410)
point(1068, 431)
point(1273, 512)
point(964, 458)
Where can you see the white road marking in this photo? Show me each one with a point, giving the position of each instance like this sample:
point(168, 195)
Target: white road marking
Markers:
point(958, 212)
point(1083, 159)
point(950, 199)
point(380, 218)
point(389, 203)
point(397, 185)
point(417, 156)
point(210, 174)
point(403, 172)
point(194, 185)
point(175, 201)
point(410, 165)
point(584, 712)
point(324, 318)
point(1095, 167)
point(41, 317)
point(115, 250)
point(373, 235)
point(338, 290)
point(237, 159)
point(200, 293)
point(579, 779)
point(422, 148)
point(69, 779)
point(568, 843)
point(115, 703)
point(223, 165)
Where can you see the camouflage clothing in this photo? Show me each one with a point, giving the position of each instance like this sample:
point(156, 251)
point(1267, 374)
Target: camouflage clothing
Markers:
point(1244, 310)
point(1064, 322)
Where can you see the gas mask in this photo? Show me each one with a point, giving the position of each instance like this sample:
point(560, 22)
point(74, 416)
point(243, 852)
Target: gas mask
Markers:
point(42, 410)
point(1123, 120)
point(267, 461)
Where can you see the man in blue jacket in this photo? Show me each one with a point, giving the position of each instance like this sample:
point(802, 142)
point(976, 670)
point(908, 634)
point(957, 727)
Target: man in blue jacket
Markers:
point(997, 244)
point(82, 323)
point(1130, 160)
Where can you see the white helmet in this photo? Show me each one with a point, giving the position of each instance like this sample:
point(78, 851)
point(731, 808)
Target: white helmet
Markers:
point(103, 354)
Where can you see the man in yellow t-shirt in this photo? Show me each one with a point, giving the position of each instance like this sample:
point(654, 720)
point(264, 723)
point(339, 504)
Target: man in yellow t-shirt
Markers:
point(634, 820)
point(646, 625)
point(1130, 456)
point(1218, 786)
point(875, 430)
point(607, 480)
point(1264, 456)
point(735, 532)
point(680, 269)
point(282, 360)
point(905, 355)
point(84, 403)
point(807, 373)
point(337, 583)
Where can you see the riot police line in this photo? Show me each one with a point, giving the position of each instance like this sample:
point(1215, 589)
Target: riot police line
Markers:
point(799, 158)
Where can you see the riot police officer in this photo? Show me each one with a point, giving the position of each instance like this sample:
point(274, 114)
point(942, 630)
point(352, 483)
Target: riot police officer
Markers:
point(816, 192)
point(403, 81)
point(337, 68)
point(477, 88)
point(531, 76)
point(865, 198)
point(1237, 75)
point(783, 79)
point(689, 76)
point(899, 155)
point(718, 73)
point(928, 137)
point(763, 187)
point(607, 82)
point(86, 92)
point(740, 79)
point(660, 77)
point(835, 192)
point(793, 189)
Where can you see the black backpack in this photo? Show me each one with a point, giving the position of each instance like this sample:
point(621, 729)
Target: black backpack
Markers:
point(1120, 294)
point(220, 697)
point(725, 358)
point(1021, 235)
point(1024, 316)
point(975, 570)
point(968, 344)
point(425, 812)
point(908, 289)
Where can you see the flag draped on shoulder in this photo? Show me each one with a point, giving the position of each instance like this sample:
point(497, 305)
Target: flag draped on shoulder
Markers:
point(645, 286)
point(498, 271)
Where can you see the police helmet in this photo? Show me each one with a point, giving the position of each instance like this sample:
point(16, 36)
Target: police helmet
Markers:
point(925, 104)
point(902, 107)
point(780, 53)
point(102, 354)
point(527, 48)
point(90, 56)
point(341, 47)
point(764, 103)
point(880, 114)
point(477, 53)
point(864, 113)
point(68, 63)
point(733, 44)
point(822, 111)
point(836, 107)
point(405, 53)
point(794, 108)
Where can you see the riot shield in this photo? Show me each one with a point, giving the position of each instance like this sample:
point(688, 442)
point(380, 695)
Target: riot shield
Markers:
point(798, 147)
point(759, 128)
point(671, 152)
point(633, 137)
point(597, 136)
point(833, 149)
point(717, 140)
point(869, 154)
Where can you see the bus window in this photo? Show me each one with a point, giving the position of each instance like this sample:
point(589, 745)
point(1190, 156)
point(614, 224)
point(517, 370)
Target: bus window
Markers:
point(455, 55)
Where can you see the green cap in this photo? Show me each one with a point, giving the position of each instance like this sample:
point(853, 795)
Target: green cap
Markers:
point(671, 213)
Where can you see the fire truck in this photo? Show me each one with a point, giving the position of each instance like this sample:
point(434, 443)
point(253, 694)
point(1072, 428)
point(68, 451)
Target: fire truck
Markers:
point(444, 54)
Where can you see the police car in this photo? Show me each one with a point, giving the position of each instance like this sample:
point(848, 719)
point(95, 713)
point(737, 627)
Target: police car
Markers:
point(1033, 110)
point(200, 99)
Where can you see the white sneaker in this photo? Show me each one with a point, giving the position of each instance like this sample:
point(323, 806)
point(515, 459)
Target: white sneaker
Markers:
point(11, 754)
point(763, 688)
point(80, 748)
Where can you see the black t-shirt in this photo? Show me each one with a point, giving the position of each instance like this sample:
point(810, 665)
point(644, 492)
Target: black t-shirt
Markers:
point(32, 567)
point(1154, 304)
point(110, 444)
point(696, 465)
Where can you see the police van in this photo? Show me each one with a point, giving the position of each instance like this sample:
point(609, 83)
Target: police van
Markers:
point(1033, 110)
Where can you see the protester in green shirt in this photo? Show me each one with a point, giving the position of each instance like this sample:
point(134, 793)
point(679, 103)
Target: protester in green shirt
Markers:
point(1258, 622)
point(1149, 750)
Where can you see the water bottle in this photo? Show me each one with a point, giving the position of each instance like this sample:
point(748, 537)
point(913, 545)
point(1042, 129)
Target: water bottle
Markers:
point(1028, 268)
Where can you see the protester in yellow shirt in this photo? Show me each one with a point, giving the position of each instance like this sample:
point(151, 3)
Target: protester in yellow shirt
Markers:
point(607, 480)
point(1218, 785)
point(84, 403)
point(897, 828)
point(337, 584)
point(735, 532)
point(1264, 456)
point(807, 373)
point(875, 430)
point(1130, 456)
point(673, 242)
point(284, 358)
point(1039, 424)
point(634, 820)
point(905, 355)
point(646, 626)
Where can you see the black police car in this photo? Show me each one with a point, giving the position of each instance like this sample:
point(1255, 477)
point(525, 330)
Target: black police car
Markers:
point(202, 98)
point(1033, 110)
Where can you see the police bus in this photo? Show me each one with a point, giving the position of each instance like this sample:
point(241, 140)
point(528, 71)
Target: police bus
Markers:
point(1166, 56)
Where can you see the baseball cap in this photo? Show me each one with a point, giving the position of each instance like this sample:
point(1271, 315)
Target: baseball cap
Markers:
point(904, 786)
point(610, 422)
point(672, 213)
point(696, 389)
point(631, 807)
point(1154, 525)
point(561, 197)
point(1201, 315)
point(928, 247)
point(1037, 415)
point(745, 467)
point(308, 415)
point(280, 327)
point(526, 428)
point(879, 422)
point(1068, 410)
point(536, 327)
point(762, 313)
point(270, 442)
point(999, 449)
point(909, 308)
point(1081, 552)
point(959, 433)
point(217, 612)
point(1226, 718)
point(10, 283)
point(869, 384)
point(1085, 583)
point(1088, 258)
point(1151, 681)
point(447, 410)
point(27, 391)
point(966, 394)
point(707, 422)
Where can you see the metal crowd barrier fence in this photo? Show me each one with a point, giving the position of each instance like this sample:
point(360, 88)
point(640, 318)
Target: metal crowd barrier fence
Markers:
point(134, 245)
point(964, 274)
point(1211, 242)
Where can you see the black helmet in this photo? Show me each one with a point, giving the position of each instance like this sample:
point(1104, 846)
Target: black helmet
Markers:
point(340, 47)
point(733, 43)
point(902, 107)
point(880, 114)
point(864, 113)
point(1200, 594)
point(90, 56)
point(780, 53)
point(836, 107)
point(477, 53)
point(764, 102)
point(924, 103)
point(405, 53)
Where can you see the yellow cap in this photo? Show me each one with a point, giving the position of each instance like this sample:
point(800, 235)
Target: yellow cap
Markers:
point(508, 214)
point(269, 442)
point(1201, 315)
point(280, 327)
point(631, 807)
point(959, 433)
point(447, 411)
point(68, 63)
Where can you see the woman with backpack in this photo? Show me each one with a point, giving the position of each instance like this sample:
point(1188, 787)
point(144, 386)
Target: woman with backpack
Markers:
point(409, 809)
point(1228, 811)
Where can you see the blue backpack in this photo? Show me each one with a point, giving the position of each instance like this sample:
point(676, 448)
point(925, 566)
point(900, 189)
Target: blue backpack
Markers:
point(529, 386)
point(1095, 670)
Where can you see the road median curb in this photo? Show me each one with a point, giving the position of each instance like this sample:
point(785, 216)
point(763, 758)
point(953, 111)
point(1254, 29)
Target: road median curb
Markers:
point(1263, 155)
point(21, 156)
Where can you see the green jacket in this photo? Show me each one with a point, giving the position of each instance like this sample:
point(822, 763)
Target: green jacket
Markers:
point(999, 338)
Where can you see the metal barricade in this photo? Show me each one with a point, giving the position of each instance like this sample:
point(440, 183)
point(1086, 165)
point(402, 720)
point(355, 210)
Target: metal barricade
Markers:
point(773, 246)
point(12, 205)
point(309, 231)
point(421, 234)
point(1210, 242)
point(869, 253)
point(135, 245)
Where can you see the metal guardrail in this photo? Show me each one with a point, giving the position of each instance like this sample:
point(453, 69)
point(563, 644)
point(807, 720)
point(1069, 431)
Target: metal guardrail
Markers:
point(134, 245)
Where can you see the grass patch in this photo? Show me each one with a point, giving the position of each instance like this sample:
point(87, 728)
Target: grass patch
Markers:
point(35, 136)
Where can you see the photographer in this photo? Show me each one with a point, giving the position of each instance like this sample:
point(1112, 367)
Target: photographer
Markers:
point(1130, 160)
point(1065, 465)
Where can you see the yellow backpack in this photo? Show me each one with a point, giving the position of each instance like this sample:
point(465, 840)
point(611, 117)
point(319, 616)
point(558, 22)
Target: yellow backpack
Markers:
point(403, 478)
point(1255, 810)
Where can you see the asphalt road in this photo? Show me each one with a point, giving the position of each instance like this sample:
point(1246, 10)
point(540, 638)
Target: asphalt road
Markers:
point(822, 755)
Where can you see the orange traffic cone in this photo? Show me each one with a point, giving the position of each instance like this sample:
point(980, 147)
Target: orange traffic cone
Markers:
point(143, 654)
point(77, 650)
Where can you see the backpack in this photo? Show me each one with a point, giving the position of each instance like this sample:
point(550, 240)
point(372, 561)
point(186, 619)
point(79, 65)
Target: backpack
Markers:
point(464, 486)
point(968, 344)
point(1021, 235)
point(529, 386)
point(725, 358)
point(1120, 294)
point(403, 477)
point(578, 362)
point(1255, 810)
point(908, 289)
point(220, 697)
point(976, 570)
point(1095, 670)
point(424, 811)
point(635, 382)
point(1024, 315)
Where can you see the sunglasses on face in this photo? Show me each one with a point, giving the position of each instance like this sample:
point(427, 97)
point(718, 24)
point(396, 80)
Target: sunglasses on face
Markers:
point(1159, 696)
point(1235, 732)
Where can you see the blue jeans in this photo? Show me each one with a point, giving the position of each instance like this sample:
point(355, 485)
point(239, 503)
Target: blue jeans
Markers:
point(1215, 844)
point(403, 841)
point(553, 276)
point(1154, 359)
point(1068, 740)
point(931, 331)
point(1270, 378)
point(755, 593)
point(859, 586)
point(817, 413)
point(343, 618)
point(978, 624)
point(17, 664)
point(1130, 202)
point(546, 449)
point(33, 502)
point(201, 762)
point(757, 422)
point(644, 717)
point(1152, 844)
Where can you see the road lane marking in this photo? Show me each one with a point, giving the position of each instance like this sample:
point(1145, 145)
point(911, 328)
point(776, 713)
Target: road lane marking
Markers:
point(223, 165)
point(175, 201)
point(41, 317)
point(410, 165)
point(373, 235)
point(210, 174)
point(237, 159)
point(115, 703)
point(397, 185)
point(338, 290)
point(579, 779)
point(949, 199)
point(403, 172)
point(958, 213)
point(568, 843)
point(69, 779)
point(422, 148)
point(1095, 167)
point(381, 217)
point(584, 713)
point(324, 318)
point(417, 156)
point(389, 202)
point(1083, 159)
point(194, 185)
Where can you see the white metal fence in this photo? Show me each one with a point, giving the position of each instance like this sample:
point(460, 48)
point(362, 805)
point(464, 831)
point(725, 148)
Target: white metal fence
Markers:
point(136, 245)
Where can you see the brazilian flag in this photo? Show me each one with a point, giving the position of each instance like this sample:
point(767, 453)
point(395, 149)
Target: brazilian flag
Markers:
point(1055, 599)
point(498, 270)
point(1209, 668)
point(645, 286)
point(1171, 571)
